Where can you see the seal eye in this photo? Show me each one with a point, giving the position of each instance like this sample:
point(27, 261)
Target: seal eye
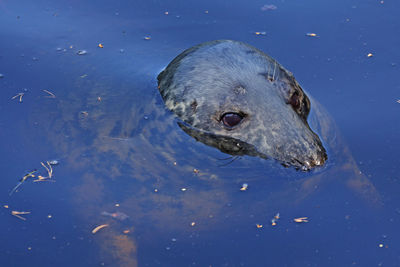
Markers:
point(231, 119)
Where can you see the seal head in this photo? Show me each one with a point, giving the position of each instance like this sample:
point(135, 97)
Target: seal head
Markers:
point(233, 96)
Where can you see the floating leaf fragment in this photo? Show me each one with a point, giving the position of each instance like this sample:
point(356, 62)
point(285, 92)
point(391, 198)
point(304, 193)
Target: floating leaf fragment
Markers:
point(192, 224)
point(96, 229)
point(23, 179)
point(147, 37)
point(20, 95)
point(311, 34)
point(301, 220)
point(259, 226)
point(244, 187)
point(50, 94)
point(100, 45)
point(260, 33)
point(275, 219)
point(19, 213)
point(48, 168)
point(370, 55)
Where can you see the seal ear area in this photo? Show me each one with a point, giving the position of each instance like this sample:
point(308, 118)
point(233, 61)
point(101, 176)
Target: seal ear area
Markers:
point(299, 102)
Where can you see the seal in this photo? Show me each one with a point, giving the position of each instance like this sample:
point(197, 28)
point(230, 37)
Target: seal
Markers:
point(236, 98)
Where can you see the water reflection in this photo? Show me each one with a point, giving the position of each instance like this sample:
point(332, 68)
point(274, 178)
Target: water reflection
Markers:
point(130, 157)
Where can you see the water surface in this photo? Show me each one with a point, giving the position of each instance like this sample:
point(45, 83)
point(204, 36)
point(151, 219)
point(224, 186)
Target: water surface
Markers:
point(119, 150)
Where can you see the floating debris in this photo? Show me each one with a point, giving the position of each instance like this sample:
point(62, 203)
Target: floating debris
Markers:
point(116, 215)
point(20, 95)
point(275, 219)
point(83, 76)
point(196, 171)
point(126, 231)
point(53, 162)
point(260, 33)
point(147, 37)
point(19, 213)
point(96, 229)
point(301, 220)
point(311, 34)
point(398, 101)
point(100, 45)
point(183, 189)
point(259, 226)
point(166, 13)
point(244, 187)
point(23, 179)
point(192, 224)
point(81, 52)
point(48, 168)
point(5, 206)
point(370, 55)
point(206, 11)
point(268, 7)
point(50, 94)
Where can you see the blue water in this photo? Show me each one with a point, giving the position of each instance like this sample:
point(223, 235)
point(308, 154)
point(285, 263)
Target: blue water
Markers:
point(120, 150)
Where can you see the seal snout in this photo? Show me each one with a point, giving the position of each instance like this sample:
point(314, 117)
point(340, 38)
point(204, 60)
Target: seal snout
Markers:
point(318, 160)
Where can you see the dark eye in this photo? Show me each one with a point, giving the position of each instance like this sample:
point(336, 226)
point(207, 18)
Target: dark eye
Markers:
point(295, 100)
point(231, 119)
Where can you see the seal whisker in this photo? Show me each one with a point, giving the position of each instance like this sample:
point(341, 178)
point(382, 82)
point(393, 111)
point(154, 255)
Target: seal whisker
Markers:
point(230, 162)
point(225, 158)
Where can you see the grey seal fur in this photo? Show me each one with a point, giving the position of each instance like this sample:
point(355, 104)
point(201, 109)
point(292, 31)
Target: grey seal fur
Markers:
point(207, 83)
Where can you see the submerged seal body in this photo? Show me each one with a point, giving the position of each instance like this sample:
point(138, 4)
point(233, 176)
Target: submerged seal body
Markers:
point(233, 96)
